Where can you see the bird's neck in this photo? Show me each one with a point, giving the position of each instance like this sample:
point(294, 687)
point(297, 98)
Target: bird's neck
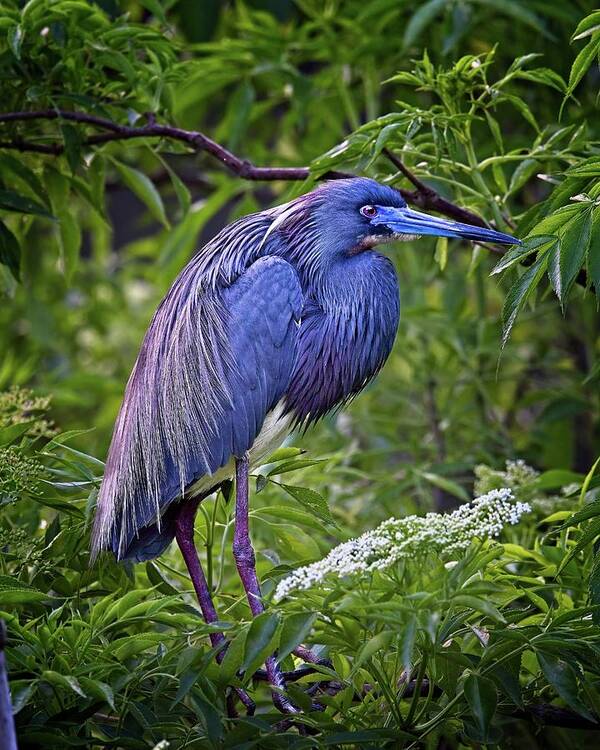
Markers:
point(348, 327)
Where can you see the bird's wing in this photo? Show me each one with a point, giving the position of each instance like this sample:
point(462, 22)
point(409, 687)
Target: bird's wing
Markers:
point(213, 364)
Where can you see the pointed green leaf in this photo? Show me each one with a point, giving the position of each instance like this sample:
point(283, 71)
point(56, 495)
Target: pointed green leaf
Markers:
point(312, 501)
point(145, 190)
point(295, 629)
point(482, 699)
point(260, 641)
point(70, 242)
point(519, 293)
point(563, 678)
point(11, 201)
point(10, 250)
point(572, 250)
point(594, 253)
point(581, 64)
point(517, 254)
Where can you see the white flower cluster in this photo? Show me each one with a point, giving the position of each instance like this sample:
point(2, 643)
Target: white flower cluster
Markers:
point(410, 537)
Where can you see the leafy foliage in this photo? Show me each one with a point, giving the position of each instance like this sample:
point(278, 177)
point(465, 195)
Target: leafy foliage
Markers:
point(491, 105)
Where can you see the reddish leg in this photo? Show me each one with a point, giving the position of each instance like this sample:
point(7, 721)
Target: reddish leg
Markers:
point(184, 533)
point(246, 565)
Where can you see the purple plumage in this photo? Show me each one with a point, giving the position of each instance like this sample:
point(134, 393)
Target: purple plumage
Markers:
point(289, 306)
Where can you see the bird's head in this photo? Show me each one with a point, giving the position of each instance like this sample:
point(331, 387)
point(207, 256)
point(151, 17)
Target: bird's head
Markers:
point(357, 214)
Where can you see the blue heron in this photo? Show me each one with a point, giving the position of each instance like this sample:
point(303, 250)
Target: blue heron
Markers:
point(283, 316)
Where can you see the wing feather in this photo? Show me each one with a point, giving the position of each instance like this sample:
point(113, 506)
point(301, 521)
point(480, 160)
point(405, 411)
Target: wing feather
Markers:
point(213, 363)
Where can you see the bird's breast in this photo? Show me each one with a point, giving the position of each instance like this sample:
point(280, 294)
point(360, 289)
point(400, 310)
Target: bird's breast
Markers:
point(344, 339)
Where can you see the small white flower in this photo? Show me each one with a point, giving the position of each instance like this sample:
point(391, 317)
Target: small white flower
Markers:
point(411, 537)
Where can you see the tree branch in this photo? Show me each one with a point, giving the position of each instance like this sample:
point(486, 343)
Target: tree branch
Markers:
point(428, 198)
point(423, 196)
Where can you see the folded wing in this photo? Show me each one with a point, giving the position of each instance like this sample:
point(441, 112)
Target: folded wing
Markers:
point(214, 362)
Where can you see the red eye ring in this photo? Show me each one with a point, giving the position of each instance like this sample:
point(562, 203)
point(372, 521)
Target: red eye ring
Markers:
point(368, 211)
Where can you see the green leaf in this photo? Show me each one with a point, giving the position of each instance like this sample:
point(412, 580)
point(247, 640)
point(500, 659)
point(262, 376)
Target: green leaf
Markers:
point(11, 201)
point(295, 629)
point(22, 172)
point(373, 645)
point(155, 8)
point(13, 432)
point(13, 591)
point(64, 681)
point(145, 190)
point(14, 36)
point(99, 690)
point(312, 501)
point(69, 233)
point(421, 19)
point(482, 698)
point(567, 258)
point(284, 454)
point(72, 142)
point(563, 678)
point(519, 293)
point(593, 265)
point(260, 641)
point(407, 643)
point(21, 694)
point(10, 250)
point(581, 64)
point(594, 588)
point(234, 656)
point(446, 484)
point(588, 534)
point(587, 26)
point(301, 463)
point(478, 604)
point(518, 253)
point(294, 515)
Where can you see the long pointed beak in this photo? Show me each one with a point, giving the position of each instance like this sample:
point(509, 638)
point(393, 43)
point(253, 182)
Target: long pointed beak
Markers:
point(407, 221)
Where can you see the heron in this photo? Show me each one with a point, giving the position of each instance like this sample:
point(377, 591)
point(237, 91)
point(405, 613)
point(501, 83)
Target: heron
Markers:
point(282, 317)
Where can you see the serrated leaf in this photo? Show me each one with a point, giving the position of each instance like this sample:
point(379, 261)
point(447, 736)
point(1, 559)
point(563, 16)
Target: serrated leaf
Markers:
point(259, 641)
point(373, 645)
point(568, 257)
point(294, 465)
point(145, 190)
point(482, 698)
point(563, 678)
point(64, 681)
point(519, 293)
point(587, 26)
point(594, 589)
point(517, 254)
point(311, 500)
point(22, 172)
point(295, 629)
point(581, 64)
point(99, 690)
point(593, 263)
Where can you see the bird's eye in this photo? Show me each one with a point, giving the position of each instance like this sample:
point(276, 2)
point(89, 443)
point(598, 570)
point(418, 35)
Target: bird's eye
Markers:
point(368, 211)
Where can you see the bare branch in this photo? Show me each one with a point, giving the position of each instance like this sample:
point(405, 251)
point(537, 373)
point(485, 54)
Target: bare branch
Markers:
point(423, 196)
point(428, 198)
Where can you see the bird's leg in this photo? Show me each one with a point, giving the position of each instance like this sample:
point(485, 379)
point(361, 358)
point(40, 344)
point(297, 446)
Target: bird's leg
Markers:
point(246, 565)
point(184, 533)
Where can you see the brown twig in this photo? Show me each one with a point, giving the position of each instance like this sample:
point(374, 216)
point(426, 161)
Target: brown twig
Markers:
point(423, 196)
point(428, 198)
